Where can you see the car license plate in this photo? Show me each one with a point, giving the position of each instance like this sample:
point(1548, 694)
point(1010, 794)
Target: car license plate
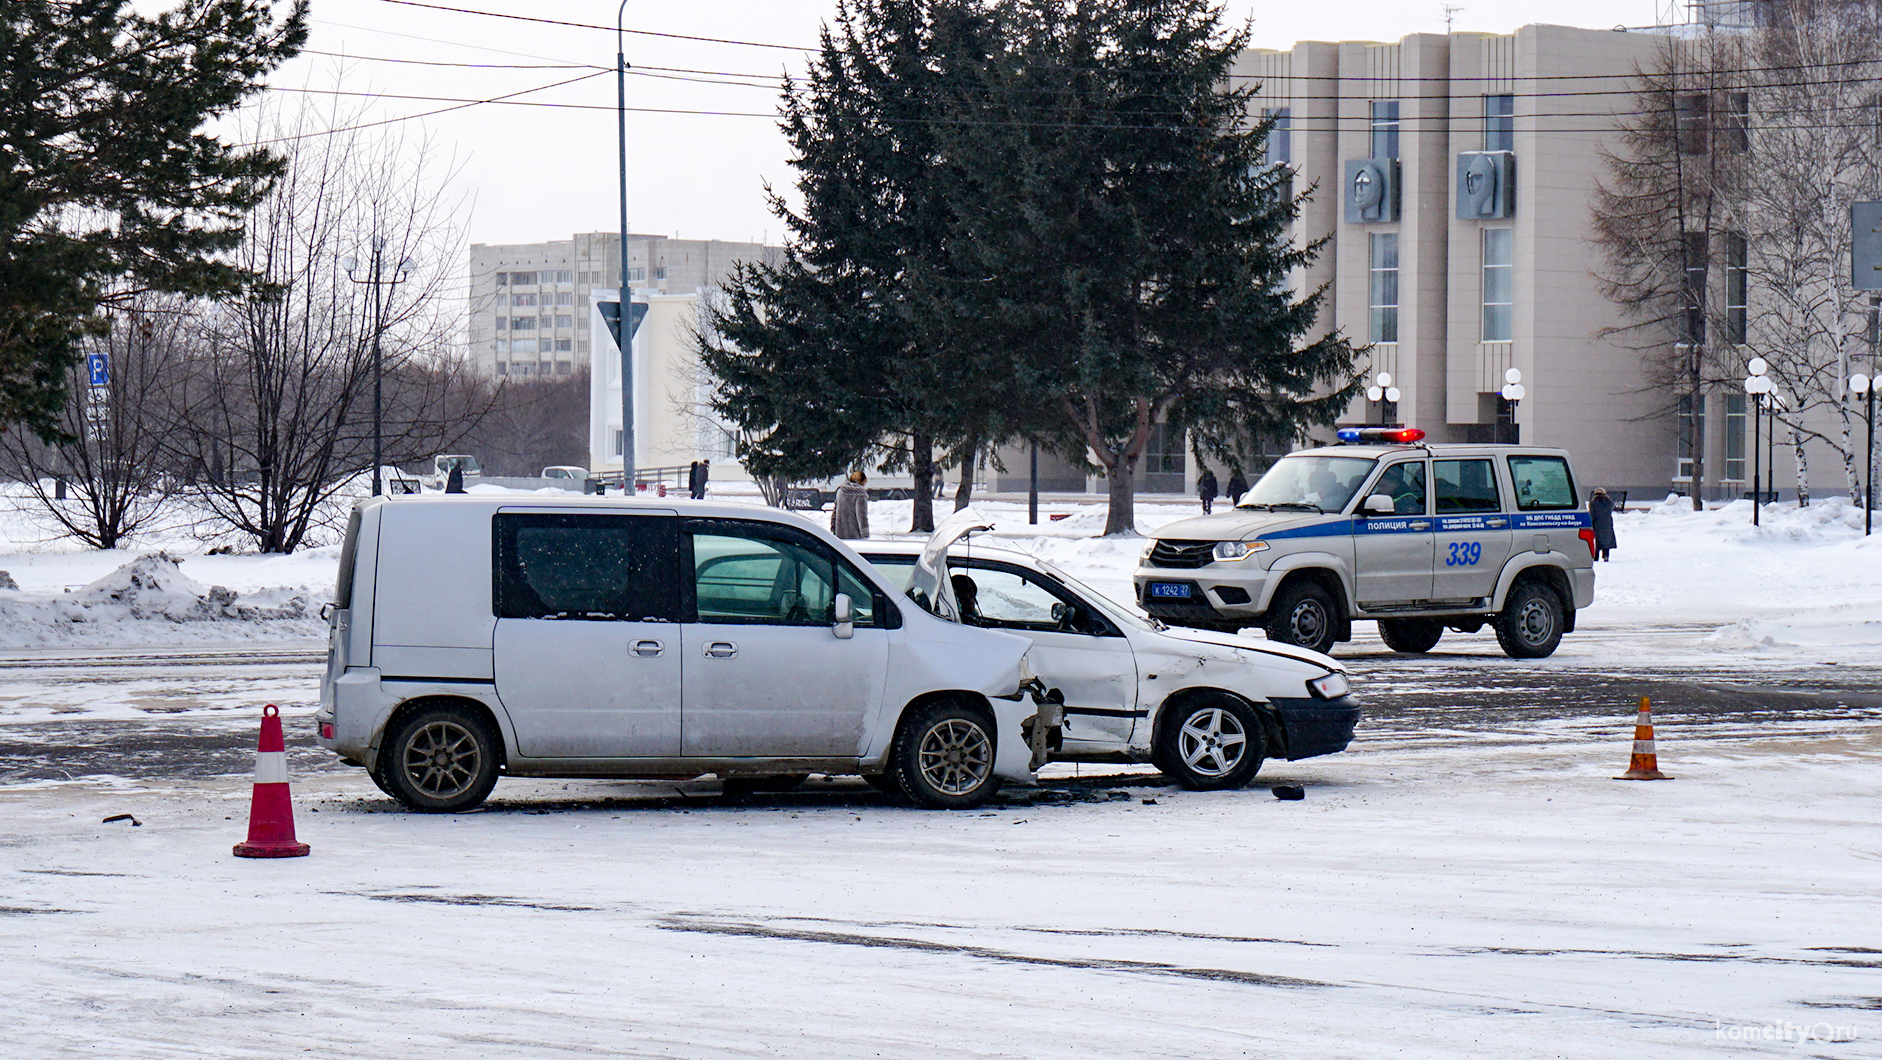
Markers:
point(1169, 590)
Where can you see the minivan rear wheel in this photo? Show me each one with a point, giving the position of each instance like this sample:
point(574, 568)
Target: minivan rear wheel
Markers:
point(439, 759)
point(943, 757)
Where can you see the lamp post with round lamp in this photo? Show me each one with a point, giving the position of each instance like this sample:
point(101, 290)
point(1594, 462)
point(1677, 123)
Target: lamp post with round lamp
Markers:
point(1513, 392)
point(1865, 385)
point(1757, 385)
point(1386, 394)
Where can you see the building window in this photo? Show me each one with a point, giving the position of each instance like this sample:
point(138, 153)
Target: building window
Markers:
point(522, 299)
point(1279, 148)
point(1691, 114)
point(639, 275)
point(1737, 131)
point(1383, 301)
point(1499, 123)
point(617, 441)
point(565, 276)
point(1693, 252)
point(1498, 270)
point(563, 368)
point(1691, 428)
point(1735, 437)
point(565, 298)
point(502, 368)
point(564, 345)
point(503, 323)
point(1737, 288)
point(522, 323)
point(1872, 331)
point(522, 345)
point(503, 345)
point(503, 279)
point(1385, 128)
point(519, 369)
point(564, 321)
point(523, 279)
point(660, 272)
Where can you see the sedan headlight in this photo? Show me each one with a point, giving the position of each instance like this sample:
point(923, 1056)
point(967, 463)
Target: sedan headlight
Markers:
point(1332, 686)
point(1238, 549)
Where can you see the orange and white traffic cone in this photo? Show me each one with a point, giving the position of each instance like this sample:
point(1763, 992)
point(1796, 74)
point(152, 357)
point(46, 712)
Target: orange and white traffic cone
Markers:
point(1645, 764)
point(271, 811)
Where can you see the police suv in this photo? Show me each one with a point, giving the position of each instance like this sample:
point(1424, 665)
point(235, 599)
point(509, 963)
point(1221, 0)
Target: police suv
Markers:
point(1421, 538)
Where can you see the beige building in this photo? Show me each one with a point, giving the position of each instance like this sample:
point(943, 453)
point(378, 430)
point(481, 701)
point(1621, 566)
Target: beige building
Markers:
point(531, 303)
point(673, 425)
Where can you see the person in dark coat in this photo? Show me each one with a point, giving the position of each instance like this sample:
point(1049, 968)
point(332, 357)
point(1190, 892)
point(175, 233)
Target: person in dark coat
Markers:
point(849, 515)
point(692, 480)
point(1206, 489)
point(1601, 513)
point(454, 482)
point(705, 476)
point(1238, 485)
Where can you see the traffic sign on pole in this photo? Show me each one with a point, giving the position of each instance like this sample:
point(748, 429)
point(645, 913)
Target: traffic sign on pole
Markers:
point(1865, 246)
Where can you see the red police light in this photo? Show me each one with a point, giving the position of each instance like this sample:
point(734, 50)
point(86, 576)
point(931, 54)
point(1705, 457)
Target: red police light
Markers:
point(1389, 435)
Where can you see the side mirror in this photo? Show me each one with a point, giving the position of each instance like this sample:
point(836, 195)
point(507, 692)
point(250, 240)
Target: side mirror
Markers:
point(1379, 504)
point(843, 620)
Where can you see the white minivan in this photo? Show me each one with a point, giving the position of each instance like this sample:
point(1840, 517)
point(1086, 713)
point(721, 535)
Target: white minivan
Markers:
point(476, 636)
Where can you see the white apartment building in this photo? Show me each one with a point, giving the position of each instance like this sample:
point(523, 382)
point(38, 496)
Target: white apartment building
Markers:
point(531, 303)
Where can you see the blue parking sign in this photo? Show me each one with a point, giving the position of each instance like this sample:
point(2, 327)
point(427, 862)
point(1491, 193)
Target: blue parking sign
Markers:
point(100, 368)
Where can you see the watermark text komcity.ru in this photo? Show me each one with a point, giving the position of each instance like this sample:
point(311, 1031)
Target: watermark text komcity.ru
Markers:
point(1784, 1031)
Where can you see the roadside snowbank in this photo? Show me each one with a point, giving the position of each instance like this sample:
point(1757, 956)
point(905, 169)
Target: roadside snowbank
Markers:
point(151, 601)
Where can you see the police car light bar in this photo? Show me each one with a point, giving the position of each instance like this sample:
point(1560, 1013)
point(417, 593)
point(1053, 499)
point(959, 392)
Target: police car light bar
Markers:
point(1394, 435)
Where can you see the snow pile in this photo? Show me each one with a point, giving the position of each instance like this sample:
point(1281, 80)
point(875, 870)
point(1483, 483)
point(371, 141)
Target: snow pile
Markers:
point(147, 600)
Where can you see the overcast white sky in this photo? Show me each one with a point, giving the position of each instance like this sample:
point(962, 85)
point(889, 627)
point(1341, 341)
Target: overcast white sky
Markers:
point(536, 173)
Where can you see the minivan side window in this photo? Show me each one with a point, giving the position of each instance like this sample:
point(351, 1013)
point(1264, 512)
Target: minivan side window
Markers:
point(1542, 484)
point(1465, 486)
point(765, 574)
point(593, 568)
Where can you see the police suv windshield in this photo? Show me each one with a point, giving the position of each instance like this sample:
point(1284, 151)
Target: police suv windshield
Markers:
point(1308, 482)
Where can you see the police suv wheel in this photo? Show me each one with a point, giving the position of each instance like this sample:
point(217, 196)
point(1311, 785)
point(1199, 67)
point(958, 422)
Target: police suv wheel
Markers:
point(440, 759)
point(1303, 615)
point(1410, 635)
point(1210, 743)
point(1530, 624)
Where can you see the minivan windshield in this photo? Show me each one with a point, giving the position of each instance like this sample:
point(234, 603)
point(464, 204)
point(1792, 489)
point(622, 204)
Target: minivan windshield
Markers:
point(1308, 482)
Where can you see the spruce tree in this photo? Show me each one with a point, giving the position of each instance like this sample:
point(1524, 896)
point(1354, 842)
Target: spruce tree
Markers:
point(108, 184)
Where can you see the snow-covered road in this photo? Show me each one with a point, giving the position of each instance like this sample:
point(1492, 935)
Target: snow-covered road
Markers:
point(1498, 899)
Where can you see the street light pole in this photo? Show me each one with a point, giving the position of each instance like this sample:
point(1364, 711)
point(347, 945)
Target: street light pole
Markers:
point(1385, 394)
point(1757, 385)
point(627, 316)
point(1514, 392)
point(1865, 385)
point(375, 276)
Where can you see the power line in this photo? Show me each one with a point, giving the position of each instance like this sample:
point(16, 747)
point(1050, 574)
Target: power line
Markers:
point(458, 105)
point(587, 25)
point(473, 66)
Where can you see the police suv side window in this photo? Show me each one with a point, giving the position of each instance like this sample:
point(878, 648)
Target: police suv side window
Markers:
point(1405, 484)
point(1542, 484)
point(592, 568)
point(1465, 486)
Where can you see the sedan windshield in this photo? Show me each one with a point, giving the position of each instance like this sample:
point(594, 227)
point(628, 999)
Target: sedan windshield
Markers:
point(1308, 482)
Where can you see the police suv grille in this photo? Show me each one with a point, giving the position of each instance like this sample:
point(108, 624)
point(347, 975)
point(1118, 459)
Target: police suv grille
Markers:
point(1186, 554)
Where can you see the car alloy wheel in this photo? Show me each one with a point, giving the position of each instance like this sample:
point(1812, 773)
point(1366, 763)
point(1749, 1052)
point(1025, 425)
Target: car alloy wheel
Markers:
point(1210, 742)
point(943, 756)
point(440, 759)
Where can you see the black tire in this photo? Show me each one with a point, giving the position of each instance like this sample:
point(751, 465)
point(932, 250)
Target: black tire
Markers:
point(943, 757)
point(739, 786)
point(1530, 624)
point(1410, 635)
point(1303, 615)
point(1211, 743)
point(440, 759)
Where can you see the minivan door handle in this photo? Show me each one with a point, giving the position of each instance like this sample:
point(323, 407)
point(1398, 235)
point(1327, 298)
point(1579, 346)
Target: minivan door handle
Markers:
point(721, 649)
point(648, 648)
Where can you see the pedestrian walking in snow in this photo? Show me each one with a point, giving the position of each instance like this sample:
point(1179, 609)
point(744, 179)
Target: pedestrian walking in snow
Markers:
point(849, 516)
point(454, 482)
point(1238, 485)
point(1205, 488)
point(1601, 513)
